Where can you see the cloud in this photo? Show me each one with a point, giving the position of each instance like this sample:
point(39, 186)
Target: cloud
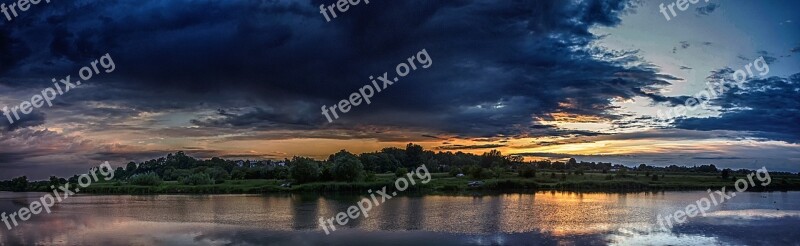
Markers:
point(708, 9)
point(685, 44)
point(718, 158)
point(469, 147)
point(251, 60)
point(26, 149)
point(766, 107)
point(34, 118)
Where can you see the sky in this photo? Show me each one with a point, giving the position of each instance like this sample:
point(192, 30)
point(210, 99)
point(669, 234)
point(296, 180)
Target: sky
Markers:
point(545, 79)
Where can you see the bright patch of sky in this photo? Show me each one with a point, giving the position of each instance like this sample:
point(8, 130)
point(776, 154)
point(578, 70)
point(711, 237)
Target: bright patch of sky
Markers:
point(692, 44)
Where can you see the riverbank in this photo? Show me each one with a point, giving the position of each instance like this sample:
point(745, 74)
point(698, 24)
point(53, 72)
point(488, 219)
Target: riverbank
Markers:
point(442, 183)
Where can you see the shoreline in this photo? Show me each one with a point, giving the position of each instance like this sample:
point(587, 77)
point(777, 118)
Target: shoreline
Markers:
point(454, 186)
point(443, 183)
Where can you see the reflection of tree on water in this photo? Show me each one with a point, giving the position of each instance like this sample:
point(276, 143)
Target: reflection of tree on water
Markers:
point(305, 210)
point(491, 214)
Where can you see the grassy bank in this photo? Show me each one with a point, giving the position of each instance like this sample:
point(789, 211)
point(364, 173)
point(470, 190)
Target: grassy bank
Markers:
point(442, 183)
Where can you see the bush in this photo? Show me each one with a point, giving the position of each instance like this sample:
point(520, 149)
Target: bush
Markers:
point(401, 172)
point(197, 179)
point(481, 173)
point(455, 171)
point(219, 175)
point(498, 171)
point(370, 177)
point(526, 171)
point(238, 174)
point(622, 173)
point(145, 179)
point(655, 178)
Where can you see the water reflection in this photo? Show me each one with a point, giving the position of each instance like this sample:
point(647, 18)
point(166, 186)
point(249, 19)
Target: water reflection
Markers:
point(507, 219)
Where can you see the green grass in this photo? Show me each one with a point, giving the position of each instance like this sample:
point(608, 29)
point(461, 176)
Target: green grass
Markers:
point(442, 183)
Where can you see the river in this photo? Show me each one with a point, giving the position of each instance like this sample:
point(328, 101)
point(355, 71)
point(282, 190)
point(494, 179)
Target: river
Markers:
point(543, 218)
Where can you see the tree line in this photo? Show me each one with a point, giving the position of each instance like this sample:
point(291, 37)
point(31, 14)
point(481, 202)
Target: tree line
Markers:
point(345, 167)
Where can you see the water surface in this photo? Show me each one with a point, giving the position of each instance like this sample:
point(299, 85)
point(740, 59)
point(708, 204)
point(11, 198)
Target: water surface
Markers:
point(544, 218)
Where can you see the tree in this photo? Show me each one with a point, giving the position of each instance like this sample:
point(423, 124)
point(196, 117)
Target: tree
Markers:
point(119, 173)
point(280, 172)
point(572, 163)
point(498, 171)
point(387, 162)
point(516, 159)
point(347, 167)
point(130, 168)
point(304, 170)
point(19, 184)
point(370, 161)
point(413, 155)
point(492, 158)
point(726, 173)
point(54, 182)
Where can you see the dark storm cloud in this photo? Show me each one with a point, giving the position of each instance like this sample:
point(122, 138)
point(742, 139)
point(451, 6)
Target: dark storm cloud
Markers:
point(123, 156)
point(767, 107)
point(34, 118)
point(270, 65)
point(293, 116)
